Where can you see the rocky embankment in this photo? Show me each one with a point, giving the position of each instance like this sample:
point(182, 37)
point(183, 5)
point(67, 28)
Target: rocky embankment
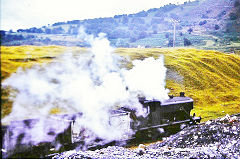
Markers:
point(218, 138)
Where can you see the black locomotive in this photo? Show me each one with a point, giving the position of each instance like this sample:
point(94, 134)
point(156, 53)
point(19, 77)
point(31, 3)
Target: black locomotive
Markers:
point(173, 112)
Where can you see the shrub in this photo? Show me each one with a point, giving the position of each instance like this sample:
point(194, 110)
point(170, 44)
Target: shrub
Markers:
point(216, 27)
point(208, 11)
point(46, 40)
point(11, 37)
point(237, 3)
point(221, 14)
point(233, 16)
point(190, 30)
point(48, 31)
point(167, 35)
point(133, 39)
point(58, 30)
point(2, 33)
point(20, 30)
point(73, 22)
point(142, 35)
point(58, 23)
point(169, 7)
point(170, 43)
point(186, 42)
point(202, 22)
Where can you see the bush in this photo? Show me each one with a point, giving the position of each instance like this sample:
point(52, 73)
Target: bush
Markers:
point(58, 30)
point(142, 35)
point(187, 42)
point(190, 30)
point(167, 35)
point(170, 43)
point(202, 22)
point(133, 39)
point(48, 31)
point(73, 22)
point(46, 40)
point(20, 30)
point(169, 7)
point(208, 11)
point(58, 23)
point(233, 16)
point(237, 3)
point(2, 33)
point(221, 14)
point(11, 37)
point(216, 27)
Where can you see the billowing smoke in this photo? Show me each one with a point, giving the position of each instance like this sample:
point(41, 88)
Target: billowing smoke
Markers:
point(91, 83)
point(147, 78)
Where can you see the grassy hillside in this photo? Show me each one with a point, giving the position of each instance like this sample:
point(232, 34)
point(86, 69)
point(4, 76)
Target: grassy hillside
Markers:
point(24, 57)
point(211, 78)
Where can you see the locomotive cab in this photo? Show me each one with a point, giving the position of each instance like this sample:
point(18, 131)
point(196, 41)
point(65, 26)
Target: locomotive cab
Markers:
point(173, 111)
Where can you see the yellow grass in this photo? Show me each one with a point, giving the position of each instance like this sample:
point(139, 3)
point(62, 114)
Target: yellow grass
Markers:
point(211, 78)
point(15, 57)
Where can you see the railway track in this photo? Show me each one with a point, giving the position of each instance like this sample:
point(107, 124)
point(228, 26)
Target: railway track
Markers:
point(48, 152)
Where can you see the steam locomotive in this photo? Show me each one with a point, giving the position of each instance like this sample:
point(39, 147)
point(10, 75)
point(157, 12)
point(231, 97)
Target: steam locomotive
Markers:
point(173, 112)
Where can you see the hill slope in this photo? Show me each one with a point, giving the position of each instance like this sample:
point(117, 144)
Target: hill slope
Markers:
point(210, 24)
point(211, 78)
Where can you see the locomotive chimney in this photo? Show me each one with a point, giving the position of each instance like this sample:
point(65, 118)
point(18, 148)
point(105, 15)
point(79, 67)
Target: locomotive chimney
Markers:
point(182, 94)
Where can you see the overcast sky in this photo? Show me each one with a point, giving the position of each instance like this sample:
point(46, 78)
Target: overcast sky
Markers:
point(22, 14)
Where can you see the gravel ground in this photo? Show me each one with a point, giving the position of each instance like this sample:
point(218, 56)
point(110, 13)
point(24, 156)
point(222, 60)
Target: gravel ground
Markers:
point(218, 138)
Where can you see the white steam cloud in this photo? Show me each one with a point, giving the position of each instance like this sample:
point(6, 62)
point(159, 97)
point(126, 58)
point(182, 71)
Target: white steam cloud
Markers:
point(91, 83)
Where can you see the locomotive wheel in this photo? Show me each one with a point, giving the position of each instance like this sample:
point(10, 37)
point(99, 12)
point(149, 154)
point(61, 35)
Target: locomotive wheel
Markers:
point(153, 134)
point(169, 130)
point(141, 135)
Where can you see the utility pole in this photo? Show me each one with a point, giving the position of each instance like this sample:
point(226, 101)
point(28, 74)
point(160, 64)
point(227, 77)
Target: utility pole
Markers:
point(175, 22)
